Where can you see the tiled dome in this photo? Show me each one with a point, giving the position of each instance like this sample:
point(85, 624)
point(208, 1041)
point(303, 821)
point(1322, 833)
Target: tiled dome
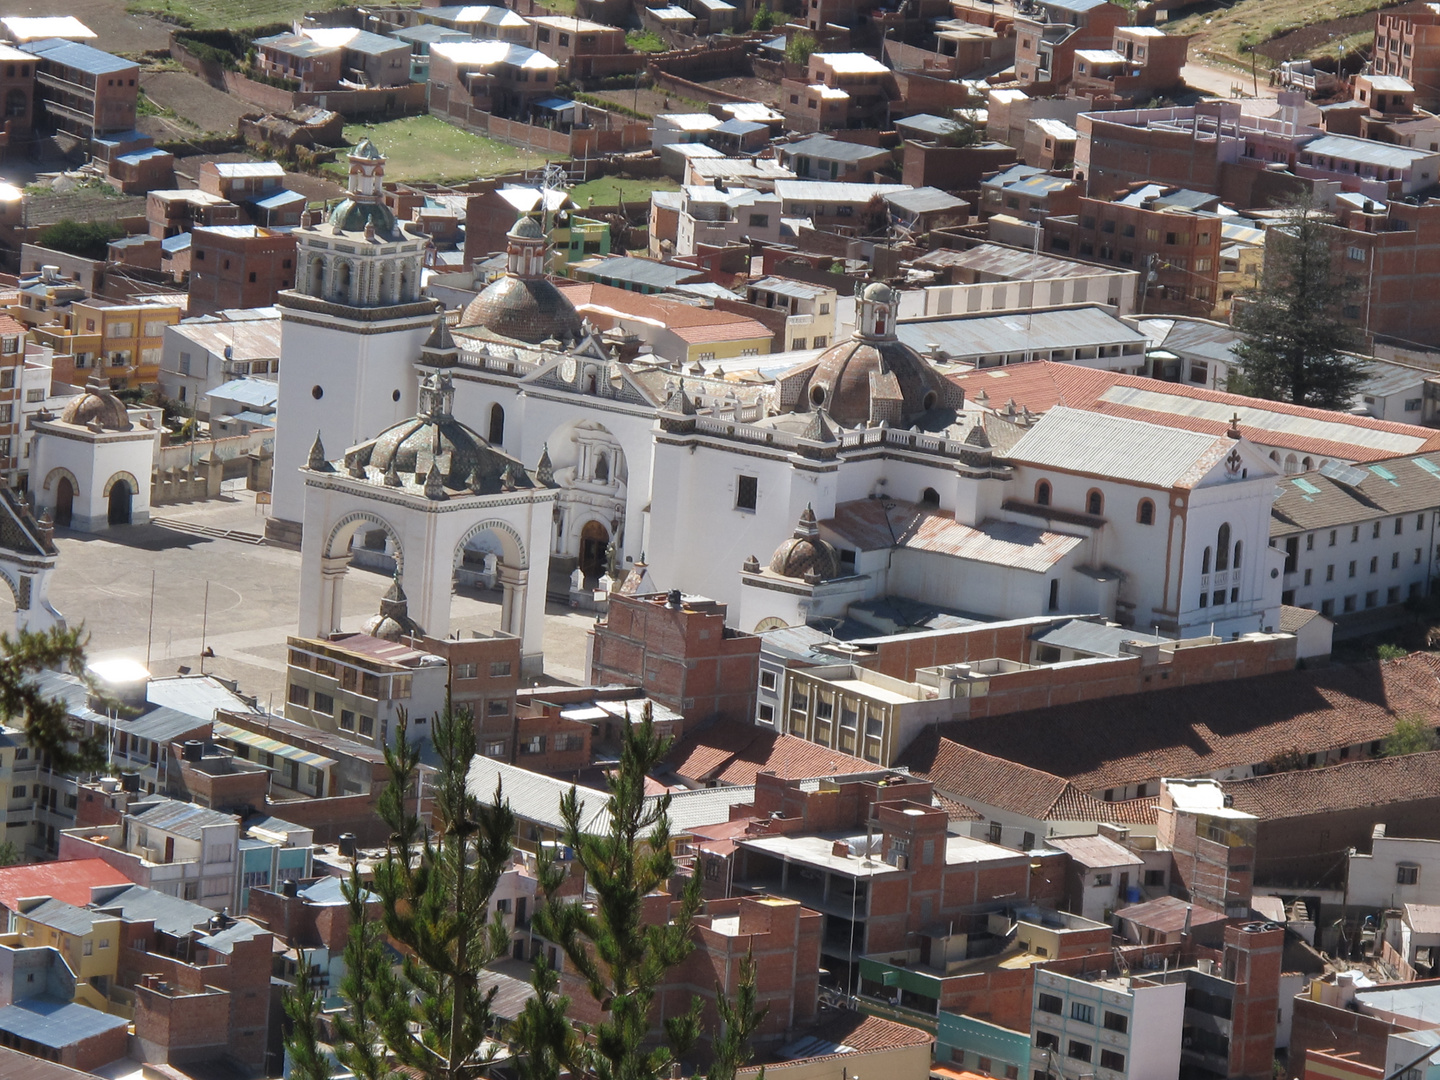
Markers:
point(805, 555)
point(526, 309)
point(97, 403)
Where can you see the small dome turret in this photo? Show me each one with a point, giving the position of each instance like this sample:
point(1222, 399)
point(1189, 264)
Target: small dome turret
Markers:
point(805, 555)
point(97, 406)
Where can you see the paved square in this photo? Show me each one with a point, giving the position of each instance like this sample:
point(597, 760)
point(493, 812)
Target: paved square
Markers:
point(105, 582)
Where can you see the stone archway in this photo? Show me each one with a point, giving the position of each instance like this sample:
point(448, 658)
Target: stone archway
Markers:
point(335, 557)
point(512, 569)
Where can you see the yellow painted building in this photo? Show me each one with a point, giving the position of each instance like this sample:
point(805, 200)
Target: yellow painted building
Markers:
point(121, 342)
point(88, 940)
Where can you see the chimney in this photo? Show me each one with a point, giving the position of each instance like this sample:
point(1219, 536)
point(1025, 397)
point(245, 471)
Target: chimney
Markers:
point(347, 845)
point(672, 600)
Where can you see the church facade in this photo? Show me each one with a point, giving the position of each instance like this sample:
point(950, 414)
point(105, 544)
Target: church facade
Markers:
point(519, 444)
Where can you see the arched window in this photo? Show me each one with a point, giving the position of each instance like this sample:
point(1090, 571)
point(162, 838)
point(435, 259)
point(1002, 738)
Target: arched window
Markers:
point(1308, 463)
point(1145, 513)
point(1205, 562)
point(930, 497)
point(497, 424)
point(342, 282)
point(1095, 503)
point(1292, 464)
point(1042, 493)
point(317, 276)
point(602, 468)
point(1235, 563)
point(1222, 548)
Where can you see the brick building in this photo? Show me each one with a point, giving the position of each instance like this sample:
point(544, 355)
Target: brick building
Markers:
point(1407, 45)
point(17, 95)
point(82, 90)
point(1172, 235)
point(238, 266)
point(1212, 845)
point(1046, 42)
point(582, 48)
point(840, 90)
point(680, 652)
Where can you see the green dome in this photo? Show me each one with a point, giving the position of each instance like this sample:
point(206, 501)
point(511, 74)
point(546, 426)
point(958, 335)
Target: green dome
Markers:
point(351, 215)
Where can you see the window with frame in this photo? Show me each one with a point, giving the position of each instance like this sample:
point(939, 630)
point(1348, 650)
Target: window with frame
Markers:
point(298, 695)
point(533, 745)
point(347, 720)
point(1112, 1059)
point(747, 491)
point(1049, 1003)
point(1119, 1021)
point(324, 703)
point(1080, 1010)
point(466, 671)
point(500, 669)
point(497, 707)
point(1079, 1051)
point(1407, 874)
point(1045, 1040)
point(495, 748)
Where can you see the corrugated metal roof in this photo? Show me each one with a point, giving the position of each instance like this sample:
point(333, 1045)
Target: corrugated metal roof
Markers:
point(253, 392)
point(240, 930)
point(923, 200)
point(17, 1066)
point(1269, 418)
point(827, 148)
point(928, 124)
point(1034, 332)
point(56, 1024)
point(67, 918)
point(1087, 636)
point(827, 191)
point(1348, 148)
point(875, 524)
point(1095, 852)
point(1006, 263)
point(189, 820)
point(170, 914)
point(1116, 447)
point(799, 290)
point(80, 57)
point(68, 881)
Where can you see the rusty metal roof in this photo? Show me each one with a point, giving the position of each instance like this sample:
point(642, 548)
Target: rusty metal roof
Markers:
point(875, 524)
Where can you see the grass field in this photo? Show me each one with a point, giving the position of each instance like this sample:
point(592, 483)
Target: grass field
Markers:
point(229, 14)
point(1225, 35)
point(424, 148)
point(609, 190)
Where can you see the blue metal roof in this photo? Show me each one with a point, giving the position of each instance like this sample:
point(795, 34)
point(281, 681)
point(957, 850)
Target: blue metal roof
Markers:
point(258, 392)
point(56, 1024)
point(80, 57)
point(283, 197)
point(178, 242)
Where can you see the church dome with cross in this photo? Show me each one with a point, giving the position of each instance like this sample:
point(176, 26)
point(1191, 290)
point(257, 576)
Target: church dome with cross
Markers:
point(525, 305)
point(874, 376)
point(804, 554)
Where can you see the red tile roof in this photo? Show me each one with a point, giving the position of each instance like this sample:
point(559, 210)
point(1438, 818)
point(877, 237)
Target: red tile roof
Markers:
point(857, 1032)
point(1042, 384)
point(964, 773)
point(1349, 786)
point(1198, 730)
point(69, 882)
point(733, 753)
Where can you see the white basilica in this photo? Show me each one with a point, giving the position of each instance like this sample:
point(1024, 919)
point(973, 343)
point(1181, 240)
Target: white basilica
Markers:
point(520, 445)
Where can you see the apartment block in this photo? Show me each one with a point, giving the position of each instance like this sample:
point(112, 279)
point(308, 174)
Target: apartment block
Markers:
point(1407, 45)
point(1113, 1025)
point(1212, 845)
point(17, 94)
point(355, 685)
point(238, 266)
point(1047, 41)
point(83, 91)
point(582, 48)
point(809, 310)
point(1172, 237)
point(840, 90)
point(494, 76)
point(121, 342)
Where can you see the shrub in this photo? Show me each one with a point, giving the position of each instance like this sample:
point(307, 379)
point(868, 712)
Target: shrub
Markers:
point(764, 18)
point(799, 49)
point(87, 239)
point(1413, 734)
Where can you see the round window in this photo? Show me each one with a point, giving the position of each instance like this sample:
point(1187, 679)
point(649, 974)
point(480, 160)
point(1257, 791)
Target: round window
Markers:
point(817, 395)
point(317, 392)
point(395, 396)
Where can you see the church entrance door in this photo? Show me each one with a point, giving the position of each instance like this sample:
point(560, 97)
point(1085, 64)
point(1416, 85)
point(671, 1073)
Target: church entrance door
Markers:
point(64, 502)
point(594, 539)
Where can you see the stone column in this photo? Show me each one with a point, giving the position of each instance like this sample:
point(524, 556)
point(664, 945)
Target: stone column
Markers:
point(332, 590)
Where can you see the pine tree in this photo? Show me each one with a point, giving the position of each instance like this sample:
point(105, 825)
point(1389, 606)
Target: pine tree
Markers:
point(302, 1008)
point(436, 896)
point(1294, 338)
point(542, 1034)
point(46, 719)
point(622, 959)
point(739, 1020)
point(369, 989)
